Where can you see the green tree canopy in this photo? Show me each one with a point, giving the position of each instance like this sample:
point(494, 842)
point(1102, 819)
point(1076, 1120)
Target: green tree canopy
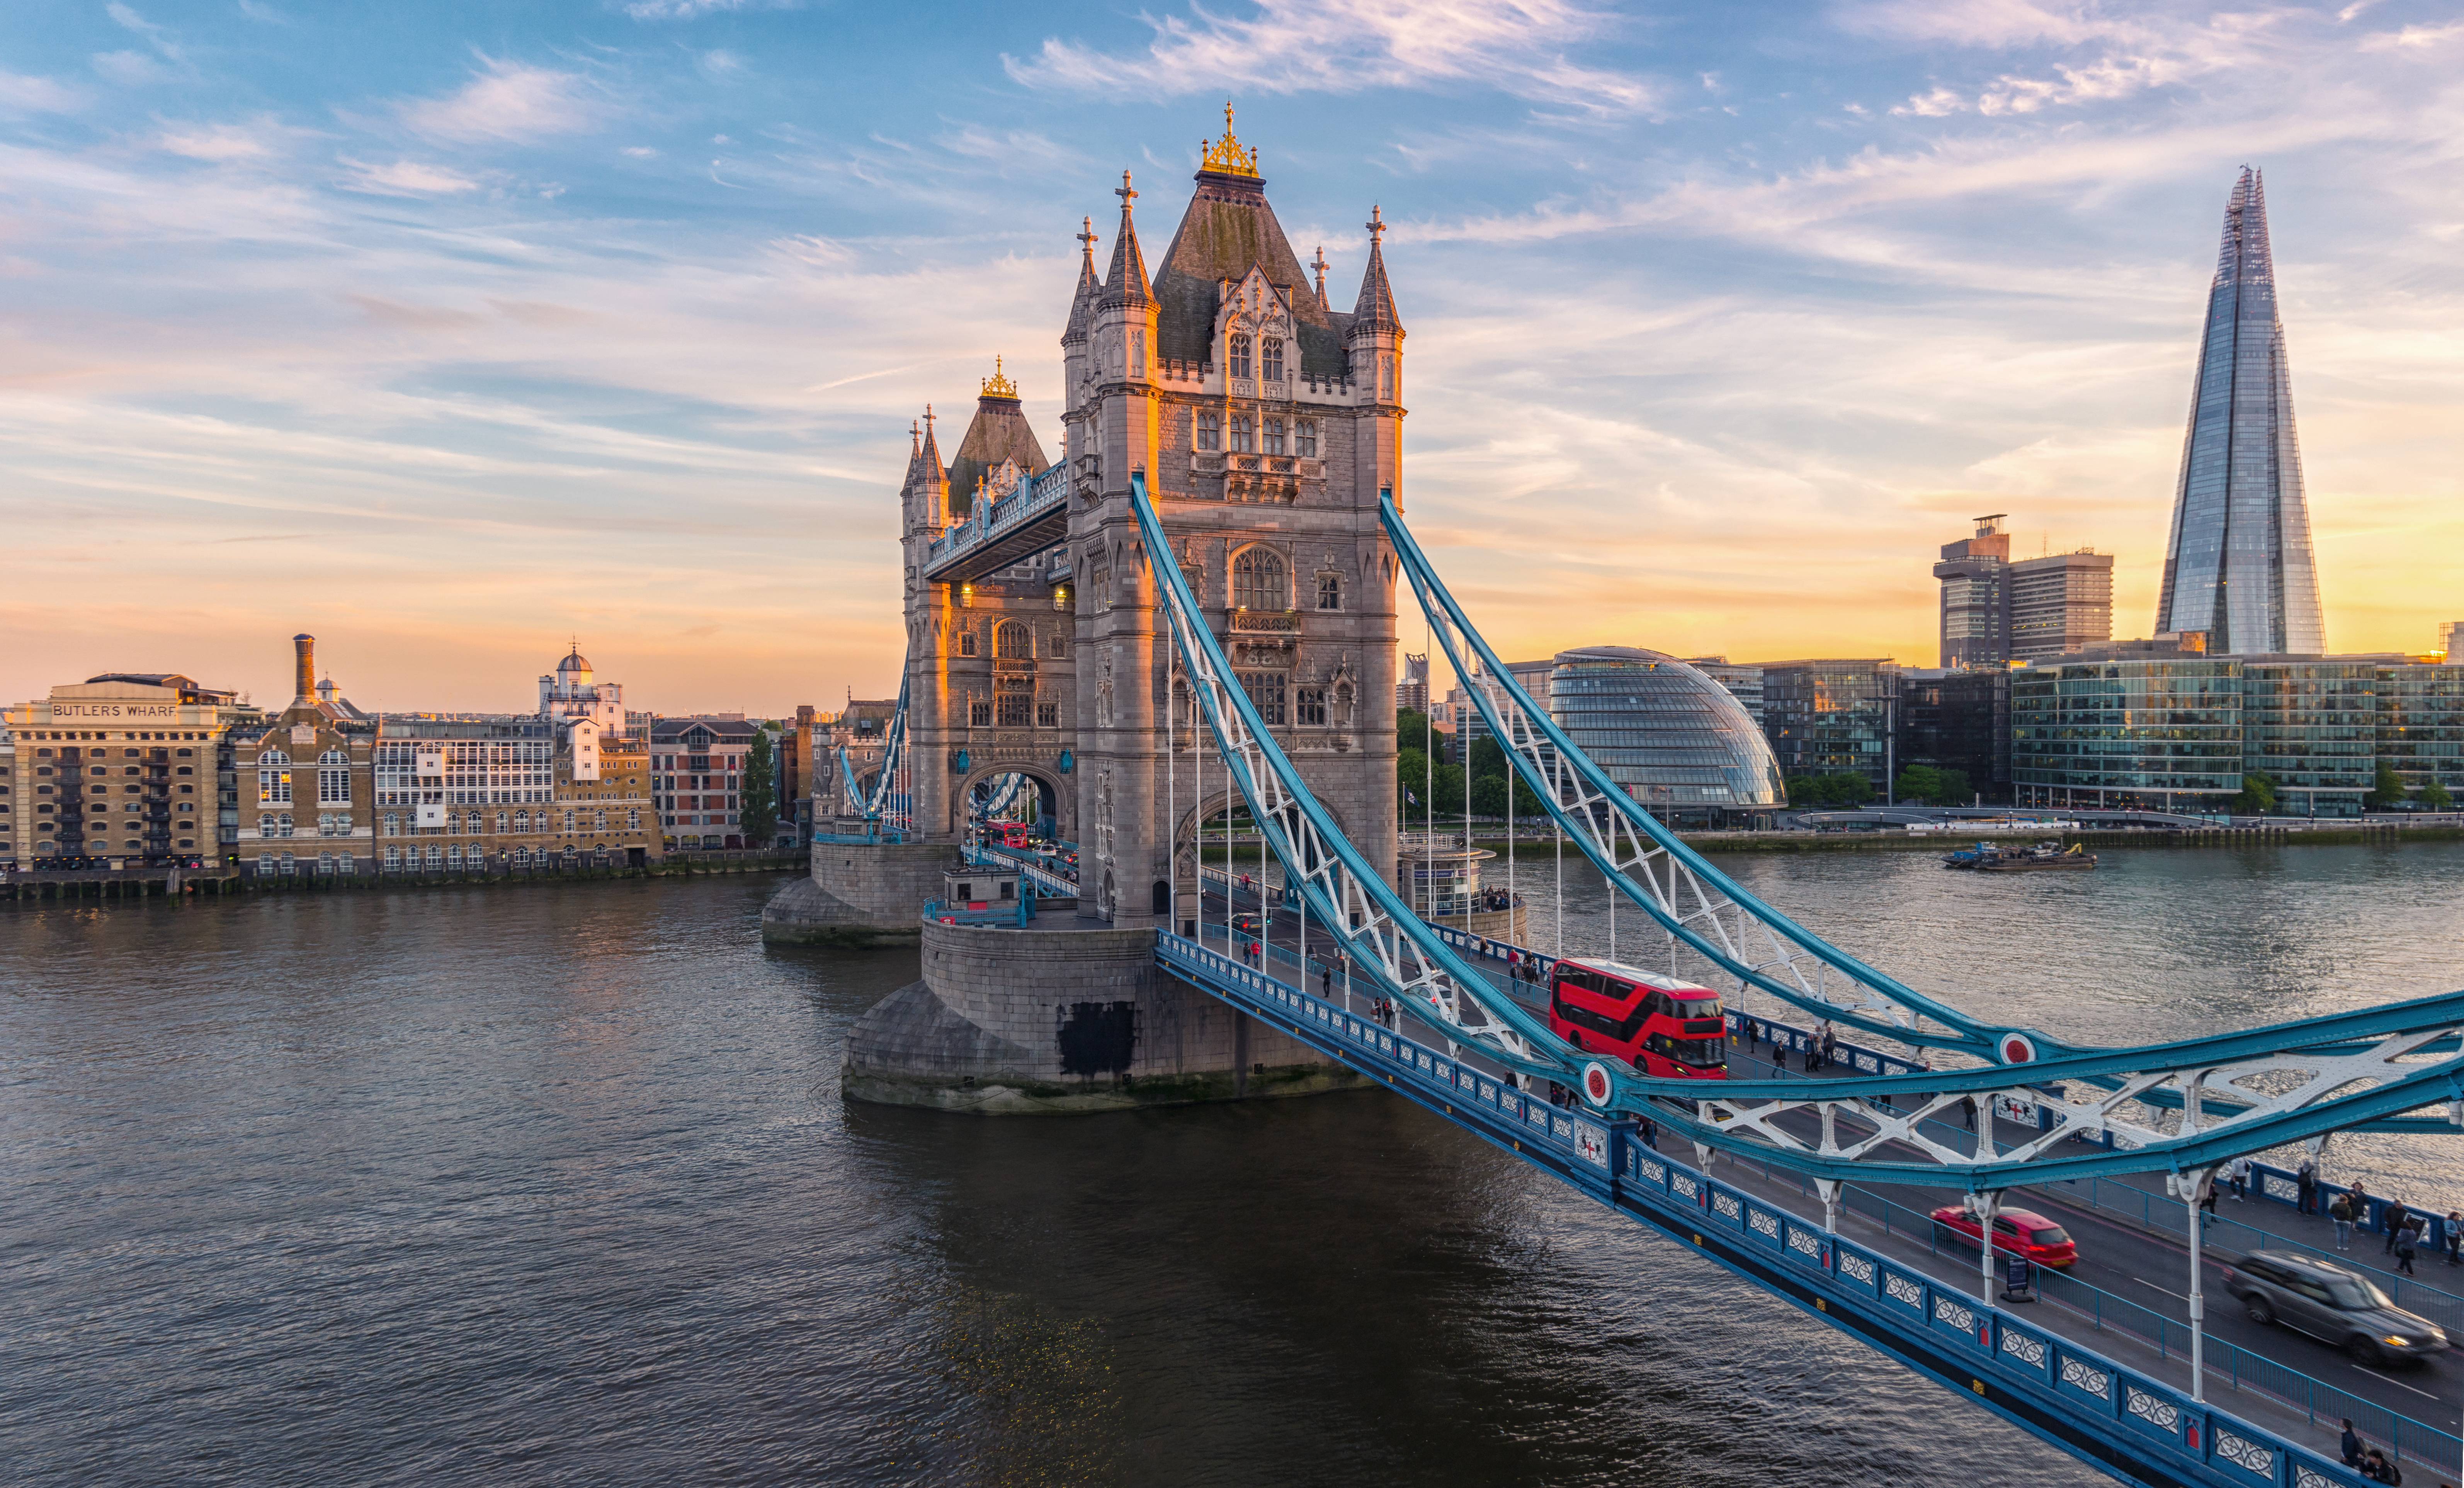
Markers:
point(1934, 786)
point(2257, 795)
point(2435, 796)
point(757, 807)
point(1829, 789)
point(2387, 792)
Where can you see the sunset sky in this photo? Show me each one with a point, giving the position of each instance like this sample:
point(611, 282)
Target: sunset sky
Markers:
point(449, 331)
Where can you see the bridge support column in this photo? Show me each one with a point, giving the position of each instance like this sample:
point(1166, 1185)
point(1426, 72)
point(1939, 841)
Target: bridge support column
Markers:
point(1829, 1189)
point(1986, 1205)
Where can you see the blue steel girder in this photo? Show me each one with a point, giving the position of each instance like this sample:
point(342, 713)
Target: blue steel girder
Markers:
point(870, 806)
point(1698, 904)
point(2271, 1085)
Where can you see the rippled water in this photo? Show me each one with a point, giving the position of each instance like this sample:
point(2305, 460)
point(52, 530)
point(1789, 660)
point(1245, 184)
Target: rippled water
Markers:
point(554, 1184)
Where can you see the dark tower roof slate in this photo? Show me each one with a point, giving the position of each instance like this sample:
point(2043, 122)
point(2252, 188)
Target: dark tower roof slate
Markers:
point(999, 432)
point(1125, 283)
point(1227, 229)
point(1375, 309)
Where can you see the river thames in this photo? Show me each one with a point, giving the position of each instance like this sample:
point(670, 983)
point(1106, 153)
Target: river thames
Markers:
point(554, 1184)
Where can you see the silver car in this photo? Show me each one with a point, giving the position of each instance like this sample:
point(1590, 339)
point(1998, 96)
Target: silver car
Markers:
point(2331, 1303)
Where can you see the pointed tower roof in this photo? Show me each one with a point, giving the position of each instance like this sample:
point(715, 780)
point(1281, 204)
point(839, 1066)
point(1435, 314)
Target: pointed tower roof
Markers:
point(1082, 302)
point(1126, 282)
point(928, 459)
point(997, 432)
point(1228, 230)
point(2240, 565)
point(1375, 310)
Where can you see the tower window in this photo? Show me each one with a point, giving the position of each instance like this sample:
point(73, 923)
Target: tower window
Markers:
point(1210, 431)
point(1308, 706)
point(1237, 355)
point(980, 714)
point(1330, 591)
point(1244, 439)
point(1274, 432)
point(1013, 642)
point(1305, 438)
point(1270, 350)
point(967, 642)
point(1259, 581)
point(1137, 354)
point(1265, 689)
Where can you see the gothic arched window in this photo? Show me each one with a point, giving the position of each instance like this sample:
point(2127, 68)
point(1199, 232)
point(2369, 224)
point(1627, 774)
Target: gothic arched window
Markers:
point(1244, 438)
point(1210, 430)
point(1013, 642)
point(1259, 581)
point(1270, 356)
point(1238, 356)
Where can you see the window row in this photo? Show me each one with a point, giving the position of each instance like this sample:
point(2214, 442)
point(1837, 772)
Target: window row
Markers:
point(589, 820)
point(1253, 435)
point(1011, 711)
point(1014, 642)
point(1270, 357)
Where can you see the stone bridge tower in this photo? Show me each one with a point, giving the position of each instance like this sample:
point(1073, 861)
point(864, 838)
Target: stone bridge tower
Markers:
point(1266, 423)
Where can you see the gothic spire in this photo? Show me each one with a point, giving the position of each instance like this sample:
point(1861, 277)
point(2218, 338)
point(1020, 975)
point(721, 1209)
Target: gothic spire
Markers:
point(1082, 302)
point(1317, 263)
point(1375, 311)
point(1126, 283)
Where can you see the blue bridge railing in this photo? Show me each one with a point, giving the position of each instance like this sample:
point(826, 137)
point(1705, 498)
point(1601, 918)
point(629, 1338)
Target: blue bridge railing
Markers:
point(999, 518)
point(2084, 1401)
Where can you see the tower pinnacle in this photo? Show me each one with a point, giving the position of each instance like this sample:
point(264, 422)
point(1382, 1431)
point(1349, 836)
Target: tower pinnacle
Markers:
point(1318, 263)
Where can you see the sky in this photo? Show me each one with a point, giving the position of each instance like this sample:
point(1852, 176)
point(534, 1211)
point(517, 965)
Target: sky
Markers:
point(450, 332)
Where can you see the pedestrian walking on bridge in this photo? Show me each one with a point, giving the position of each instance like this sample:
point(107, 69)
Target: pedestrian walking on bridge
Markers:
point(2339, 1209)
point(2240, 1172)
point(2396, 1215)
point(2305, 1183)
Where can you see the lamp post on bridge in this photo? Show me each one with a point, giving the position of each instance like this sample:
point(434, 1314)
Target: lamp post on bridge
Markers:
point(2192, 1188)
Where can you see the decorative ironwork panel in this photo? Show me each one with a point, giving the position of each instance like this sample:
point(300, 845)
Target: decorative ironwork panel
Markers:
point(2029, 1351)
point(1805, 1242)
point(1856, 1268)
point(2246, 1455)
point(1903, 1290)
point(2161, 1413)
point(1685, 1183)
point(1537, 1115)
point(1562, 1130)
point(2305, 1476)
point(2274, 1187)
point(1652, 1170)
point(1763, 1224)
point(2087, 1377)
point(1487, 1093)
point(1726, 1205)
point(1945, 1310)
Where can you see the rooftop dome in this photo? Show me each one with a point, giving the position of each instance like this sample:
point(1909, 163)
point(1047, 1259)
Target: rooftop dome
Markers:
point(1668, 734)
point(573, 662)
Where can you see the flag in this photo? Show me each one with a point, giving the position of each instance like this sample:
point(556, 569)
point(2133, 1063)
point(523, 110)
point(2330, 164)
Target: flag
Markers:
point(1409, 797)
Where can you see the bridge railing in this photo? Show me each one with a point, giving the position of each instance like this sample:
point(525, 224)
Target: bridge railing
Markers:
point(1619, 1163)
point(1010, 916)
point(1047, 879)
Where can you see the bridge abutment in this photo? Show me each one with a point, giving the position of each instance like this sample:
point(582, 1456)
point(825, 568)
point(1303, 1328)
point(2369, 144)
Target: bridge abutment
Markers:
point(859, 895)
point(1057, 1021)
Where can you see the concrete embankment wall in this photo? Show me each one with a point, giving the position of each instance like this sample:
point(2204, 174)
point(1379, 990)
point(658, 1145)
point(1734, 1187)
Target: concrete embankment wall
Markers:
point(1055, 1021)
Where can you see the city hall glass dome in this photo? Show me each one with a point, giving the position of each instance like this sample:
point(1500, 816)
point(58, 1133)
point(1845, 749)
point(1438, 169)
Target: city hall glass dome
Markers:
point(1676, 741)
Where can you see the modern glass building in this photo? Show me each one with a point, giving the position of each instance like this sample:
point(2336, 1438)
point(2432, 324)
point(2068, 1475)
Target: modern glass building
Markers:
point(2159, 734)
point(1831, 717)
point(1676, 740)
point(2314, 727)
point(2421, 723)
point(2238, 566)
point(1954, 719)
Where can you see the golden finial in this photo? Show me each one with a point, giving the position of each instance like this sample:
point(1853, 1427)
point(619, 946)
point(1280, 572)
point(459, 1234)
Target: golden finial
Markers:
point(998, 386)
point(1225, 156)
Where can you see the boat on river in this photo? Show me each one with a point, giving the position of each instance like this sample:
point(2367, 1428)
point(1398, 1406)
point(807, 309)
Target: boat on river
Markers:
point(2046, 856)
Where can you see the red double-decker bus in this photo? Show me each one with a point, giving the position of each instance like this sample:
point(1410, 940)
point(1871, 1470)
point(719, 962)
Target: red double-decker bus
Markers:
point(1661, 1026)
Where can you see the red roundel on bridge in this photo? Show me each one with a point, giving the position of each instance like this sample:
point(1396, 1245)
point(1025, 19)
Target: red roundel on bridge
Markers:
point(2018, 1049)
point(1597, 1085)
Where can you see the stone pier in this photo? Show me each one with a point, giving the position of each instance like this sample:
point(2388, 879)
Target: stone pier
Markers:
point(859, 895)
point(1054, 1021)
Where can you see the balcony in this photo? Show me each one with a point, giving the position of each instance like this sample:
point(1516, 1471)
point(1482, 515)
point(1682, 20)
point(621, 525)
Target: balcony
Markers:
point(1279, 622)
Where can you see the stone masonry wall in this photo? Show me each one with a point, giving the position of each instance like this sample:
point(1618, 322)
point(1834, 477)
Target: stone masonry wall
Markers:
point(859, 895)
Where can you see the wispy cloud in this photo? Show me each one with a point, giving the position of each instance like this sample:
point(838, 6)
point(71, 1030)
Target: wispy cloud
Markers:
point(1346, 45)
point(21, 94)
point(406, 178)
point(507, 100)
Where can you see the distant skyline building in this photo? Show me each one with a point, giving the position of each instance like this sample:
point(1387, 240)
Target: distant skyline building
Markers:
point(1673, 739)
point(2238, 564)
point(1995, 610)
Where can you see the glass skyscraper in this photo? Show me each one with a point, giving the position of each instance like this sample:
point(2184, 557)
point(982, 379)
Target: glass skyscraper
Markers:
point(2238, 565)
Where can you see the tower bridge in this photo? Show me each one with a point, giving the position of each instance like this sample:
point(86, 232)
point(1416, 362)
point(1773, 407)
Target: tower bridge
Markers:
point(1189, 611)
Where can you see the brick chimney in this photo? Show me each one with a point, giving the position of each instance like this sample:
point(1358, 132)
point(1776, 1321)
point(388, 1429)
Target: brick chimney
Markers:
point(304, 672)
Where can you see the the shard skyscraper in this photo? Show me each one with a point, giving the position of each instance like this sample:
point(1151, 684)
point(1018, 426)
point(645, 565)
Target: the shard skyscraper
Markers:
point(2239, 566)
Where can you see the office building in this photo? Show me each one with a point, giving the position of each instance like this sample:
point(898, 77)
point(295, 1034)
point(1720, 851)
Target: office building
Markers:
point(698, 774)
point(2157, 732)
point(116, 768)
point(1831, 717)
point(1412, 690)
point(2310, 725)
point(2421, 722)
point(1744, 682)
point(2058, 603)
point(1956, 718)
point(1670, 736)
point(2238, 564)
point(307, 783)
point(1975, 607)
point(2449, 633)
point(1995, 610)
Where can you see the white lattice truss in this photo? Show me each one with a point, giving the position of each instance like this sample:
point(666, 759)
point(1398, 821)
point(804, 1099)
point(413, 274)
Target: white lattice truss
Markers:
point(870, 806)
point(1643, 865)
point(2202, 1102)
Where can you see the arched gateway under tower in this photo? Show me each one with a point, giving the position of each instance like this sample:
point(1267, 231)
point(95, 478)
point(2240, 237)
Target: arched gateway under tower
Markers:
point(1268, 423)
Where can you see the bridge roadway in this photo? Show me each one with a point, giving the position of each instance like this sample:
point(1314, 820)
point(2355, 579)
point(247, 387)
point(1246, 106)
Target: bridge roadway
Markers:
point(2141, 1320)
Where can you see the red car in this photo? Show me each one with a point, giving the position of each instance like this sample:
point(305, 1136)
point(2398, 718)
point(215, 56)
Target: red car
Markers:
point(2015, 1230)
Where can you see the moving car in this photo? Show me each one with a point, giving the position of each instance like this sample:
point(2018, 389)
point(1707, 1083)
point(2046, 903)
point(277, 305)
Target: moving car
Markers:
point(2017, 1232)
point(2333, 1303)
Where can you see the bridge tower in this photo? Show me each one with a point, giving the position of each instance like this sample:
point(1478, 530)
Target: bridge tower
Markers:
point(1266, 423)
